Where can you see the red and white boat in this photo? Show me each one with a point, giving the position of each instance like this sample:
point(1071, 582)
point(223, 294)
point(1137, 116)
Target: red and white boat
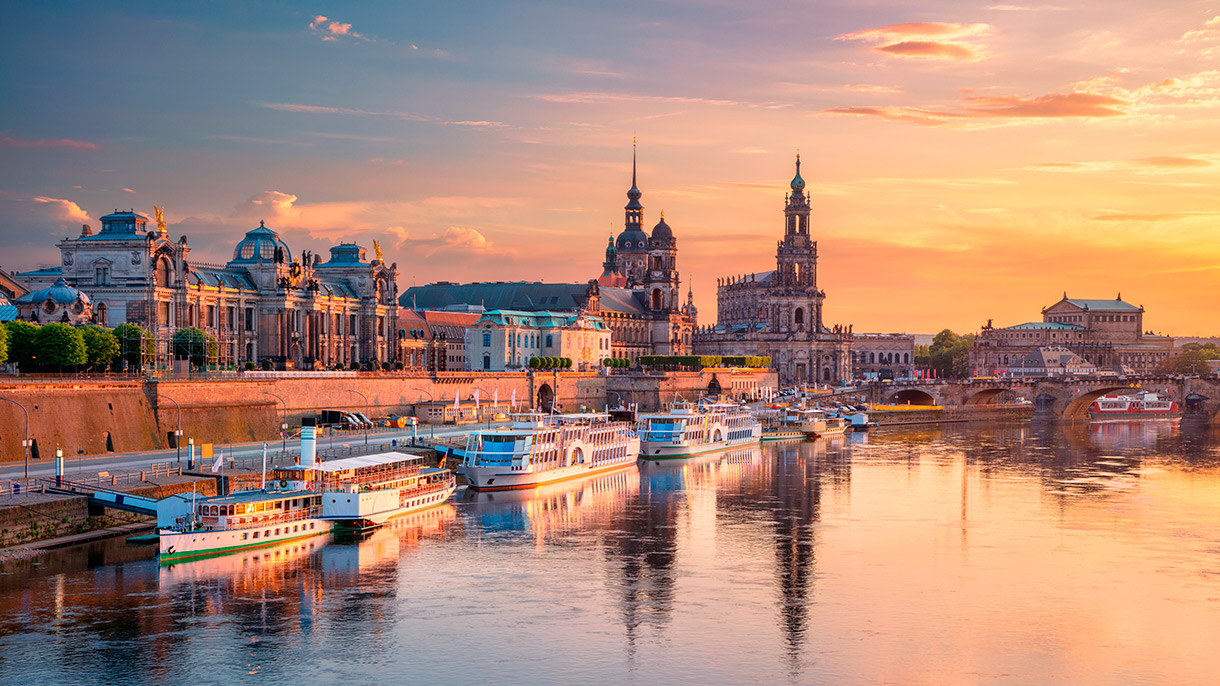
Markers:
point(1137, 406)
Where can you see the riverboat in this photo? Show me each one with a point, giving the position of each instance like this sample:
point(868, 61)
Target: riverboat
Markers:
point(816, 423)
point(539, 448)
point(362, 492)
point(252, 519)
point(687, 429)
point(1140, 406)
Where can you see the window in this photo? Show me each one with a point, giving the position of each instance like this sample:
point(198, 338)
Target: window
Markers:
point(487, 362)
point(486, 339)
point(249, 319)
point(550, 340)
point(102, 276)
point(256, 534)
point(247, 535)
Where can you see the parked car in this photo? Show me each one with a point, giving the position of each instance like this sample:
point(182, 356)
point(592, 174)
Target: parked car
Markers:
point(364, 419)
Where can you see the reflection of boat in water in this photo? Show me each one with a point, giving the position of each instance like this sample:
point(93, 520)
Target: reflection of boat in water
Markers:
point(587, 502)
point(540, 449)
point(815, 423)
point(247, 565)
point(683, 473)
point(357, 552)
point(1131, 434)
point(1137, 406)
point(685, 430)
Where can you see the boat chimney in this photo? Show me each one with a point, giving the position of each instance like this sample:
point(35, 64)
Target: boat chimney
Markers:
point(309, 443)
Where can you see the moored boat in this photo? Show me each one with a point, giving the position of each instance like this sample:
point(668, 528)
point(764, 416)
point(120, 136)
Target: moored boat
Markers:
point(687, 429)
point(539, 448)
point(815, 423)
point(1137, 406)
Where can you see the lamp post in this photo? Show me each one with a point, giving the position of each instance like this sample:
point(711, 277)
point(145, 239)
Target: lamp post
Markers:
point(178, 433)
point(26, 443)
point(366, 413)
point(283, 423)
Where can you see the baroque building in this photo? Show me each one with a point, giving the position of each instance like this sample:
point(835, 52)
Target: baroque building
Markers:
point(1108, 334)
point(778, 313)
point(263, 304)
point(638, 295)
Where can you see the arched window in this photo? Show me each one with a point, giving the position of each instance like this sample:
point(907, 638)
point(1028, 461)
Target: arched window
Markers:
point(656, 298)
point(906, 358)
point(799, 316)
point(486, 361)
point(872, 357)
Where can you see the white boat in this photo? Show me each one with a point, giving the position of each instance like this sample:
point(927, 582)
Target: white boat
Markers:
point(364, 491)
point(687, 429)
point(252, 519)
point(1137, 406)
point(539, 448)
point(815, 423)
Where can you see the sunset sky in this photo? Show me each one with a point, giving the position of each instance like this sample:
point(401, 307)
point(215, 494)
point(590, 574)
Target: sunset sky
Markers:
point(968, 160)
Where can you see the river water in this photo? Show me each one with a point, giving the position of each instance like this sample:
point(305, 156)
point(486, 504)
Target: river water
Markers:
point(943, 555)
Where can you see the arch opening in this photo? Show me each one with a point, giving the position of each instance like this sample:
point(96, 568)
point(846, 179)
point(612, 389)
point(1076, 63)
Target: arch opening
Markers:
point(912, 396)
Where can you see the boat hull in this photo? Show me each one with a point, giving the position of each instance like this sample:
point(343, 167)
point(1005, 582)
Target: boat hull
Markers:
point(181, 545)
point(499, 478)
point(381, 506)
point(1133, 416)
point(650, 450)
point(777, 436)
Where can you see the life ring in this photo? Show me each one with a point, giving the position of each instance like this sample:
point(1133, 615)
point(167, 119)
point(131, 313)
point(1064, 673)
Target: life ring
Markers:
point(283, 483)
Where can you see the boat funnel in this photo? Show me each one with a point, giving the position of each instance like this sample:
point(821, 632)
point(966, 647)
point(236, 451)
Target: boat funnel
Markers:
point(309, 443)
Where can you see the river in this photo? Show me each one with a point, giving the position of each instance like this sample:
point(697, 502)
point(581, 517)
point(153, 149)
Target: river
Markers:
point(1016, 554)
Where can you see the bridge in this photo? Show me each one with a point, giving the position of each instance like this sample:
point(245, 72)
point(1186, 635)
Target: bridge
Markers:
point(103, 497)
point(1063, 397)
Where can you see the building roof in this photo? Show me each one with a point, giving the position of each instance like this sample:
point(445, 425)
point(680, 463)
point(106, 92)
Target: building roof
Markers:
point(1115, 305)
point(345, 255)
point(1043, 326)
point(8, 311)
point(622, 300)
point(541, 320)
point(59, 292)
point(259, 245)
point(229, 278)
point(498, 295)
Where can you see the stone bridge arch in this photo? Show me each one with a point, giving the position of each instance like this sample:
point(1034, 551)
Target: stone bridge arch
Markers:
point(986, 396)
point(911, 396)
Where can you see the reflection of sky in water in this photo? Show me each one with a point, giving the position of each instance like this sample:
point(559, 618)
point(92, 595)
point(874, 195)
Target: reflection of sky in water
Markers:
point(1029, 554)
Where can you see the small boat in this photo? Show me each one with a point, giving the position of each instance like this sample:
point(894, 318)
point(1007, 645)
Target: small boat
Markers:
point(815, 423)
point(687, 429)
point(1138, 406)
point(251, 519)
point(539, 448)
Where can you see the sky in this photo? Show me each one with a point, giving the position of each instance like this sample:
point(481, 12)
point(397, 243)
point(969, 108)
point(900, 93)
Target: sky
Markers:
point(968, 161)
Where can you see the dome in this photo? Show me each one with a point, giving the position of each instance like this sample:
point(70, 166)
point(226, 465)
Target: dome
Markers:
point(59, 293)
point(259, 245)
point(798, 184)
point(661, 233)
point(631, 239)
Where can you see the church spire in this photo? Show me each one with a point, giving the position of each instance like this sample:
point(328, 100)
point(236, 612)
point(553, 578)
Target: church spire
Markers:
point(634, 210)
point(798, 184)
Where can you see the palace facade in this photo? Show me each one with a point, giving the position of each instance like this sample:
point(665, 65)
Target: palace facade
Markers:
point(1108, 334)
point(264, 304)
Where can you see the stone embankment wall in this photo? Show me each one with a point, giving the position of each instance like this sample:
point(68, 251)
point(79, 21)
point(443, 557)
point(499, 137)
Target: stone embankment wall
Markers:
point(24, 519)
point(96, 417)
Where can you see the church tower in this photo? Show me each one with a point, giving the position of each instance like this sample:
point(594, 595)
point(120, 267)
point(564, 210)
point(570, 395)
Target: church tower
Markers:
point(796, 257)
point(632, 243)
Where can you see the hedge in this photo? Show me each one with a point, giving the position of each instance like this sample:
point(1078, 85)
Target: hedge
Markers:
point(701, 361)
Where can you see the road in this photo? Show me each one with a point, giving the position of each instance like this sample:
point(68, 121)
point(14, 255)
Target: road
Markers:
point(119, 462)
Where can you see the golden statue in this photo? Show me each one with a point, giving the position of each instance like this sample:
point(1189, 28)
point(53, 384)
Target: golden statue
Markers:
point(160, 212)
point(377, 250)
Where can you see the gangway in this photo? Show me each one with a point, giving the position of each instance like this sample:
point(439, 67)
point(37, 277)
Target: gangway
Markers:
point(102, 497)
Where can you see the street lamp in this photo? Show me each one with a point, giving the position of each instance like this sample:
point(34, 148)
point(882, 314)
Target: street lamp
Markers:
point(283, 423)
point(366, 413)
point(26, 443)
point(178, 433)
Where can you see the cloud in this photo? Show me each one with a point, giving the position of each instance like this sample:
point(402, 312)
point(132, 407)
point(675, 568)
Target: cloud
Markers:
point(1151, 217)
point(1172, 162)
point(596, 98)
point(925, 40)
point(332, 30)
point(274, 206)
point(313, 109)
point(60, 143)
point(127, 190)
point(479, 124)
point(64, 211)
point(979, 110)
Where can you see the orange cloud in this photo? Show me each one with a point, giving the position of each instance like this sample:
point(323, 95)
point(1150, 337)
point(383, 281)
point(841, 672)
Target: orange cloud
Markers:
point(65, 211)
point(1050, 105)
point(61, 143)
point(1172, 162)
point(332, 30)
point(903, 40)
point(1151, 217)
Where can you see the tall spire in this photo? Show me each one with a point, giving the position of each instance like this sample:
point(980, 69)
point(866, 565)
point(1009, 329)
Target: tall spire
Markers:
point(798, 184)
point(634, 210)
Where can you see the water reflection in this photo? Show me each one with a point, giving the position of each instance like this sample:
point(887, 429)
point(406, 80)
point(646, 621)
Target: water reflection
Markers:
point(1027, 553)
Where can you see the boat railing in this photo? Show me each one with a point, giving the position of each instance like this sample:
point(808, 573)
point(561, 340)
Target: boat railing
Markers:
point(214, 523)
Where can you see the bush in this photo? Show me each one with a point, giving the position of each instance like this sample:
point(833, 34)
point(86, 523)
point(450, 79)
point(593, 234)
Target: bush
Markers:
point(101, 347)
point(249, 366)
point(3, 344)
point(268, 365)
point(21, 346)
point(60, 345)
point(398, 366)
point(535, 362)
point(135, 344)
point(354, 366)
point(196, 345)
point(567, 363)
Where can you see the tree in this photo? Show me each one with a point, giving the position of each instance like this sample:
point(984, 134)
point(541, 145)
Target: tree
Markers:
point(135, 344)
point(949, 355)
point(21, 347)
point(3, 344)
point(194, 344)
point(61, 346)
point(1192, 361)
point(101, 347)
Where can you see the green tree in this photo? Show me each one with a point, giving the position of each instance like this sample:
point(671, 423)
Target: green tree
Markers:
point(194, 344)
point(949, 355)
point(3, 344)
point(60, 345)
point(1192, 361)
point(101, 347)
point(21, 346)
point(135, 344)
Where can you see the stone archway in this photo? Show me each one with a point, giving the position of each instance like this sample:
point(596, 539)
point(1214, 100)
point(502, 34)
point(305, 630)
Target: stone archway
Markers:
point(987, 396)
point(714, 388)
point(1195, 403)
point(546, 398)
point(1077, 407)
point(912, 396)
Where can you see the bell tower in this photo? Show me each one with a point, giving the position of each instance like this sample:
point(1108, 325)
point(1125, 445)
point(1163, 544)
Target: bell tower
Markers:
point(796, 256)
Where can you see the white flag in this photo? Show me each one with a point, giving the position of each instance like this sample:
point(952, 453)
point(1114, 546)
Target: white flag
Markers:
point(495, 397)
point(456, 405)
point(218, 462)
point(476, 401)
point(513, 402)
